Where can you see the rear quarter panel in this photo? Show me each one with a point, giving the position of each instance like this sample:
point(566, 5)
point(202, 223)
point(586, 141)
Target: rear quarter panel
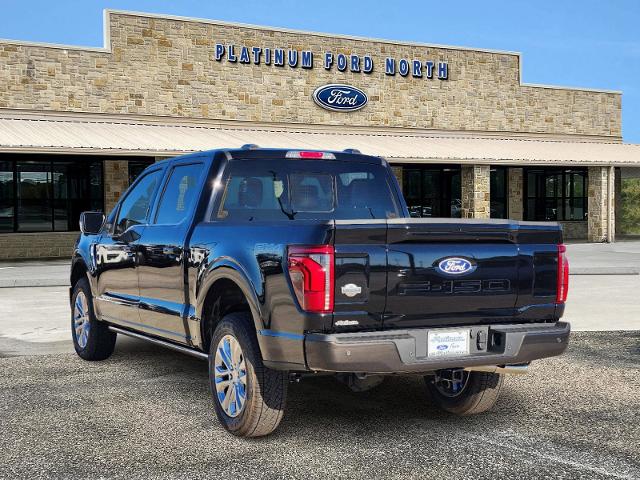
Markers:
point(254, 255)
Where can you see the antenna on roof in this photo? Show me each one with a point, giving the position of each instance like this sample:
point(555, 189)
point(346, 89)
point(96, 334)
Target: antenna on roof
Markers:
point(249, 146)
point(351, 150)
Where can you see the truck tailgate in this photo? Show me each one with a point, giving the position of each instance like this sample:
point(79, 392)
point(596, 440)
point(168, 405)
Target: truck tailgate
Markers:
point(442, 272)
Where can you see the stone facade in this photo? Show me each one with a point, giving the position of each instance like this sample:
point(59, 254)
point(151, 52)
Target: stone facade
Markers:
point(24, 246)
point(574, 230)
point(515, 188)
point(475, 191)
point(598, 221)
point(116, 181)
point(161, 66)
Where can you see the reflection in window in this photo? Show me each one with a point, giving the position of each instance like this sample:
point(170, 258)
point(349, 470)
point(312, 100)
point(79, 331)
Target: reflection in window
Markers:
point(556, 194)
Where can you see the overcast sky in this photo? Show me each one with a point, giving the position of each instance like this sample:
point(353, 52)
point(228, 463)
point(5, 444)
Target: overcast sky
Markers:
point(583, 43)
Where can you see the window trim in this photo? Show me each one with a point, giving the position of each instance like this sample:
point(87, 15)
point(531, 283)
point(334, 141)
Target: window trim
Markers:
point(156, 208)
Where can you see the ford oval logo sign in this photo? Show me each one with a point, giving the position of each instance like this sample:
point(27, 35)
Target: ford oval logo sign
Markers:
point(340, 98)
point(456, 266)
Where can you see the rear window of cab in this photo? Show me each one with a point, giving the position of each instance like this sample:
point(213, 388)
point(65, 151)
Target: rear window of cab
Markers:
point(306, 189)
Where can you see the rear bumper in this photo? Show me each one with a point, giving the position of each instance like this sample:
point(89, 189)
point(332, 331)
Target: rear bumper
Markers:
point(405, 351)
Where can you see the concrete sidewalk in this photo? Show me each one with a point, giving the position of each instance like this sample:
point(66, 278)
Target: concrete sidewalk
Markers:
point(37, 273)
point(621, 258)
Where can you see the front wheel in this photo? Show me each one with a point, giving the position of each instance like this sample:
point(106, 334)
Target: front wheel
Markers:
point(92, 339)
point(462, 392)
point(249, 398)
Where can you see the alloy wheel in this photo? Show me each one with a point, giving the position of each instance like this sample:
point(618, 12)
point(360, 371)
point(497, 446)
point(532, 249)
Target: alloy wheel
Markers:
point(230, 376)
point(81, 322)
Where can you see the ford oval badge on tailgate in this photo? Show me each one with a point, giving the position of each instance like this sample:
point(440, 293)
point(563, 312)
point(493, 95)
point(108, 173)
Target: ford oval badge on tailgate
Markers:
point(456, 266)
point(340, 98)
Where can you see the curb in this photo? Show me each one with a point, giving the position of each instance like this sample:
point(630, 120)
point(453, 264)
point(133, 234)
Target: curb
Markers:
point(43, 282)
point(604, 271)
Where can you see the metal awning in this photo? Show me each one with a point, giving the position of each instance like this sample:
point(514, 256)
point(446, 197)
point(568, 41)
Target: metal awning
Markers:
point(167, 138)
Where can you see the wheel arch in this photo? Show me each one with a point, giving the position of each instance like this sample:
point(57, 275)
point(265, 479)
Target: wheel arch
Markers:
point(225, 290)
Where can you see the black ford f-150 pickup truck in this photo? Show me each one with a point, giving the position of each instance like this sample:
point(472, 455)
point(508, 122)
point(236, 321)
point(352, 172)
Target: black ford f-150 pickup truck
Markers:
point(274, 264)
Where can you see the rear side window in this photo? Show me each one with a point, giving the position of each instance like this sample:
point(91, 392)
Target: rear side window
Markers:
point(306, 189)
point(180, 194)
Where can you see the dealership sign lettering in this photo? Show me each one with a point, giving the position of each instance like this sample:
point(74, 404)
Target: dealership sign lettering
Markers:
point(281, 57)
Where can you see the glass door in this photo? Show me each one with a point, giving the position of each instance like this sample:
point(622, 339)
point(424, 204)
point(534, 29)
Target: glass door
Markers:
point(432, 191)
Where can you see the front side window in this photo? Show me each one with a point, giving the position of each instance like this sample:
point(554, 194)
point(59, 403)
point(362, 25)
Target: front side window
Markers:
point(306, 189)
point(556, 194)
point(135, 207)
point(180, 194)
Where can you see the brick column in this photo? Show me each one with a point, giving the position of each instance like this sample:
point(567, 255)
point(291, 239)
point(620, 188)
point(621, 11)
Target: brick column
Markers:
point(515, 186)
point(475, 191)
point(397, 172)
point(116, 181)
point(598, 204)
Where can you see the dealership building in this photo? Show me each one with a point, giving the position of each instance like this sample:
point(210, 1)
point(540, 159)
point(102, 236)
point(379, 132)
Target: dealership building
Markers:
point(466, 137)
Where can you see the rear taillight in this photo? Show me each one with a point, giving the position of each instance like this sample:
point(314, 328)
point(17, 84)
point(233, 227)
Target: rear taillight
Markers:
point(563, 275)
point(311, 272)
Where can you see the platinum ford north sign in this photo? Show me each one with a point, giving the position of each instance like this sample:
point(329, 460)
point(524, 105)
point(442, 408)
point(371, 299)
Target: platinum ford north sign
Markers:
point(340, 98)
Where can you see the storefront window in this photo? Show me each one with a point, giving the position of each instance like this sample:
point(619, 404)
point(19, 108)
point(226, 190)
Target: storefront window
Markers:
point(556, 194)
point(34, 197)
point(498, 187)
point(6, 196)
point(44, 193)
point(432, 191)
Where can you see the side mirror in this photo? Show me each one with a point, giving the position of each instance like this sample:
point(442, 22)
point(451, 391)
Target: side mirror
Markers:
point(91, 222)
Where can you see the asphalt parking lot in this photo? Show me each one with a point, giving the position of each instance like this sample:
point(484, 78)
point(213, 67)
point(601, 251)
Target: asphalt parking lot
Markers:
point(146, 413)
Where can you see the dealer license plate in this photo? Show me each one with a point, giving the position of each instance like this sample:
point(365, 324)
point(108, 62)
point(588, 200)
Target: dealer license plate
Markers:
point(448, 343)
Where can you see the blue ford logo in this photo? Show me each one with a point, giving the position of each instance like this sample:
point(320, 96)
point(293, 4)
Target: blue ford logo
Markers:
point(340, 98)
point(442, 347)
point(456, 266)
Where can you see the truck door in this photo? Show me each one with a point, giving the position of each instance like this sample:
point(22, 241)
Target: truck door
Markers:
point(118, 296)
point(162, 257)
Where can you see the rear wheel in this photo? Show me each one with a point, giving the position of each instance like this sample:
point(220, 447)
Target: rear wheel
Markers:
point(249, 398)
point(462, 392)
point(92, 339)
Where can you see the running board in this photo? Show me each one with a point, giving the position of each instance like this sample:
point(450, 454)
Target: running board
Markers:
point(162, 343)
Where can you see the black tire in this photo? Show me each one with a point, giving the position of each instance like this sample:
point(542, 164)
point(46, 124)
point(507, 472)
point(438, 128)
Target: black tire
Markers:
point(266, 389)
point(479, 393)
point(100, 341)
